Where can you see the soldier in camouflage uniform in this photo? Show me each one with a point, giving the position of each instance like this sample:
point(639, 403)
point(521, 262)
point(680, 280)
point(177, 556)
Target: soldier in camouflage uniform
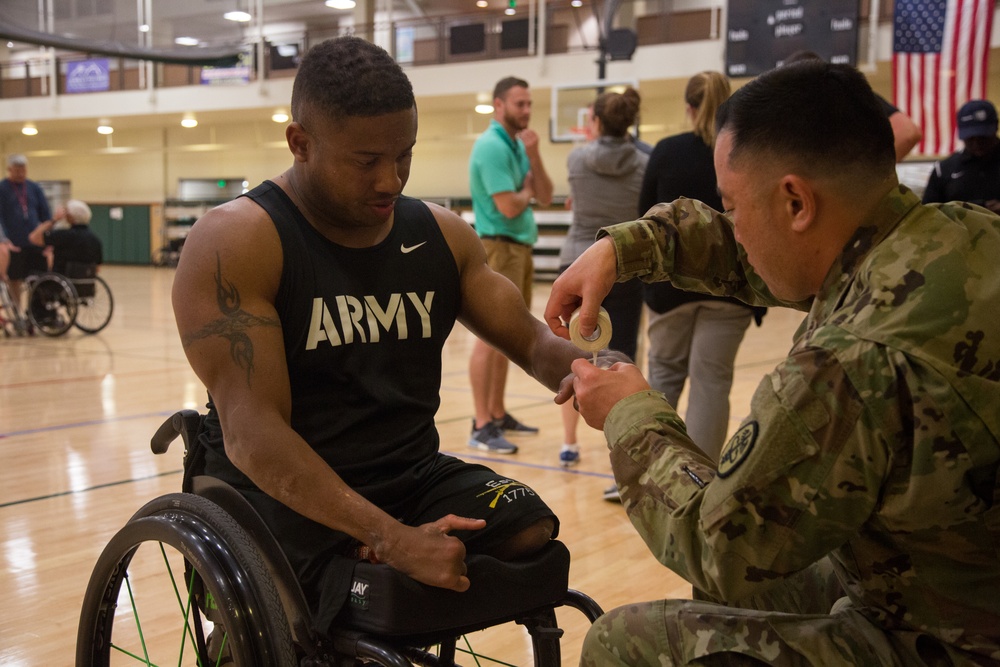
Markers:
point(854, 517)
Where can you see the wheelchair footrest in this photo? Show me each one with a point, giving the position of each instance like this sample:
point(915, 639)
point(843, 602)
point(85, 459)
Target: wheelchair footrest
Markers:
point(385, 601)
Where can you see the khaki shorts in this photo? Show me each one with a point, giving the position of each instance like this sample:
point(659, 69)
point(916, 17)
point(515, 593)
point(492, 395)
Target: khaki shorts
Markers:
point(514, 262)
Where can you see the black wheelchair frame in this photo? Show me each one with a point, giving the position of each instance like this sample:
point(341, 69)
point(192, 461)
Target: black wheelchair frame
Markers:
point(238, 577)
point(57, 302)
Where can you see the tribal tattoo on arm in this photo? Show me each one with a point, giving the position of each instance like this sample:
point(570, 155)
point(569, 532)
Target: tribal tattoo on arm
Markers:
point(234, 324)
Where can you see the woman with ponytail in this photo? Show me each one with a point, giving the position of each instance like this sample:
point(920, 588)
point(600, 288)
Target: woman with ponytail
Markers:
point(605, 175)
point(692, 336)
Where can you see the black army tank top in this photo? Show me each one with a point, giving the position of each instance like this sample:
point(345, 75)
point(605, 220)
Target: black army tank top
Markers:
point(363, 331)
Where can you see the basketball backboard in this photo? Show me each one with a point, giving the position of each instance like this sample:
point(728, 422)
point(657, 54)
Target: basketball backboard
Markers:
point(570, 103)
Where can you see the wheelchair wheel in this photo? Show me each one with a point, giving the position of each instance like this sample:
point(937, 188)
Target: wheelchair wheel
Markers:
point(94, 305)
point(182, 584)
point(52, 304)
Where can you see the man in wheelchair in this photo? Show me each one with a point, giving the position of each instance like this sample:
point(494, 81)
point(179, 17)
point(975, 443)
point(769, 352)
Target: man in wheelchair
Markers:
point(72, 246)
point(315, 309)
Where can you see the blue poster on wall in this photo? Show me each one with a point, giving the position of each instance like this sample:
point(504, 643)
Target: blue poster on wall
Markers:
point(87, 76)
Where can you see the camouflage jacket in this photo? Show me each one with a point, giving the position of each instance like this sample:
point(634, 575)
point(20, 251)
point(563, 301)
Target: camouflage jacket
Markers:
point(876, 441)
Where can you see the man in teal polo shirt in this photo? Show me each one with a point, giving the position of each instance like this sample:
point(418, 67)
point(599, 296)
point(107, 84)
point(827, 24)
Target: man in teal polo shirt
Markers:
point(505, 174)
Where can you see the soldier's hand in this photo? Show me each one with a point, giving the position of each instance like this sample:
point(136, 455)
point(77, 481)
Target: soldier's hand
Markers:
point(583, 285)
point(598, 390)
point(605, 359)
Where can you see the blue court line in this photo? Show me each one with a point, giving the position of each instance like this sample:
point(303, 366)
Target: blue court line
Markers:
point(462, 455)
point(523, 464)
point(93, 422)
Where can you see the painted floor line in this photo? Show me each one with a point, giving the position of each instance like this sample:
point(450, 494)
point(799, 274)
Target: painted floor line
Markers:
point(463, 455)
point(94, 422)
point(96, 487)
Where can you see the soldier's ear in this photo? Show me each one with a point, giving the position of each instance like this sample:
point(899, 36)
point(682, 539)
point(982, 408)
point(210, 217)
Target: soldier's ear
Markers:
point(799, 201)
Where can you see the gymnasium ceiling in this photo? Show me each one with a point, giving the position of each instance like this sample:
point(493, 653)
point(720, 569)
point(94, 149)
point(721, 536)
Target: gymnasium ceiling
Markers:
point(118, 21)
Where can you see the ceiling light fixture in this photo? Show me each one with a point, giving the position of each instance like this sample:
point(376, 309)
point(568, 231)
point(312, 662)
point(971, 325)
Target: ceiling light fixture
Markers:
point(510, 11)
point(186, 41)
point(105, 129)
point(279, 117)
point(482, 3)
point(241, 17)
point(484, 108)
point(340, 4)
point(189, 122)
point(29, 130)
point(144, 27)
point(576, 3)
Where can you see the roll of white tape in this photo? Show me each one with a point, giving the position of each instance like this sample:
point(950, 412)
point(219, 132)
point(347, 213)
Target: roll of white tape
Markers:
point(596, 341)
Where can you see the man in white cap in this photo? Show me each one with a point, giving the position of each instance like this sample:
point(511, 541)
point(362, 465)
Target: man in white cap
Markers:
point(972, 174)
point(75, 244)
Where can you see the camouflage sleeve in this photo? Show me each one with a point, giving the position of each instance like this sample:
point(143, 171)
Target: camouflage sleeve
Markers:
point(694, 247)
point(798, 479)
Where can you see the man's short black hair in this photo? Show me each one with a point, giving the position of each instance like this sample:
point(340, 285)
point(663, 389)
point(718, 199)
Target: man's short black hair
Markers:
point(348, 76)
point(505, 84)
point(823, 118)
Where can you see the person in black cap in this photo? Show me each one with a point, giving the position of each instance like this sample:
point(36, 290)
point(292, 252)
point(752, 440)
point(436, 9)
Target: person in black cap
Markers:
point(973, 174)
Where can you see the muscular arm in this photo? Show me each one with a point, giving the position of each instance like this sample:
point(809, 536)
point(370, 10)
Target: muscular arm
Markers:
point(223, 299)
point(494, 310)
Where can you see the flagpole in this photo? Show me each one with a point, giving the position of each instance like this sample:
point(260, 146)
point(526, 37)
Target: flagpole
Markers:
point(873, 11)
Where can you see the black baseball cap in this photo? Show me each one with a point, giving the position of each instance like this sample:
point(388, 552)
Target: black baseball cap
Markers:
point(977, 118)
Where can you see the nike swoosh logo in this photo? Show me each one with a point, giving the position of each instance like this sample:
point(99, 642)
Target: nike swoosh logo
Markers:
point(957, 174)
point(403, 249)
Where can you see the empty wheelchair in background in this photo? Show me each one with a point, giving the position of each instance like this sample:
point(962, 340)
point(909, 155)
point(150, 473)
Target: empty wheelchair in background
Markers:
point(196, 578)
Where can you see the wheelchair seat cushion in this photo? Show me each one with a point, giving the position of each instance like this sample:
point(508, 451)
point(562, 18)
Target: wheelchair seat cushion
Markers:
point(385, 601)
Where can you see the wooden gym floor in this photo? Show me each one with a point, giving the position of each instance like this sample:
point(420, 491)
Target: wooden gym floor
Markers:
point(77, 412)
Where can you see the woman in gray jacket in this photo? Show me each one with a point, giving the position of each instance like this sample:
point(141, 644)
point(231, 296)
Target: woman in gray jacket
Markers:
point(605, 176)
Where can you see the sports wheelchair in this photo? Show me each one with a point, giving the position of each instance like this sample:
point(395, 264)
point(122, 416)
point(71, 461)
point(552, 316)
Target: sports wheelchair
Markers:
point(57, 302)
point(197, 578)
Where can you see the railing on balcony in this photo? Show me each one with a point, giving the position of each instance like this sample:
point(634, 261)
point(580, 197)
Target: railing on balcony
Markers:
point(413, 42)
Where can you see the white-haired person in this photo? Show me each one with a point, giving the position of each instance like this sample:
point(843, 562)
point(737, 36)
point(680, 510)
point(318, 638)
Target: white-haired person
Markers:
point(73, 244)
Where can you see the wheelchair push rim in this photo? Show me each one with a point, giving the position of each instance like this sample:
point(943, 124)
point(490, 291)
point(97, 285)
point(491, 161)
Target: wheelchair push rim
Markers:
point(52, 304)
point(94, 310)
point(178, 571)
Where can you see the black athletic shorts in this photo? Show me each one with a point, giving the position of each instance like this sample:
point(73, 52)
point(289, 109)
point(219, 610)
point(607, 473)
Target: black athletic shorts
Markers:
point(324, 559)
point(27, 261)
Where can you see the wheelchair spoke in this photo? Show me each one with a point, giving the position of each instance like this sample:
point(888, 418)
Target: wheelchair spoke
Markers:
point(134, 656)
point(135, 615)
point(476, 656)
point(185, 607)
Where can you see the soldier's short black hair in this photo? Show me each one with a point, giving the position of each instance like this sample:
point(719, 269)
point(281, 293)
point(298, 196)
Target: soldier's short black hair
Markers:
point(348, 76)
point(820, 116)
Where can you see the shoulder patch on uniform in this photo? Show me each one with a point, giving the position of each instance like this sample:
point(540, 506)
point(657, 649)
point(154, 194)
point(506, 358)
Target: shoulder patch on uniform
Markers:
point(737, 449)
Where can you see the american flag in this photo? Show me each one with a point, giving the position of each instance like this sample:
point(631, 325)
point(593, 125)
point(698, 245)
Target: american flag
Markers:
point(940, 57)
